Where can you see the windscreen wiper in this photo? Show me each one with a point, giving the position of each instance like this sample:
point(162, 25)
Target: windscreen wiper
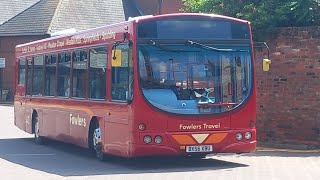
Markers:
point(196, 44)
point(164, 48)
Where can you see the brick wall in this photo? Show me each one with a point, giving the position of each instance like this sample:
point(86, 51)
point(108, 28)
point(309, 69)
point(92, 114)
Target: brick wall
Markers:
point(288, 95)
point(7, 51)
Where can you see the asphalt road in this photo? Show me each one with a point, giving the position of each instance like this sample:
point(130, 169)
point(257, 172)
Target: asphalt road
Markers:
point(21, 158)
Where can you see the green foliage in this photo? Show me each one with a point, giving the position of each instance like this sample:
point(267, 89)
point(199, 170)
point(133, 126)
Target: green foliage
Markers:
point(265, 15)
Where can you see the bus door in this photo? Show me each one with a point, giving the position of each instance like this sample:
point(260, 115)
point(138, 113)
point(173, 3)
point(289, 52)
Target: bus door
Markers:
point(121, 84)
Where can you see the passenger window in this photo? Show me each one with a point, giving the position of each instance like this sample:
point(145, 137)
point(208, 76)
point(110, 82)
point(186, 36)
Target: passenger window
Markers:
point(122, 73)
point(50, 76)
point(37, 83)
point(97, 73)
point(22, 72)
point(63, 88)
point(79, 69)
point(29, 76)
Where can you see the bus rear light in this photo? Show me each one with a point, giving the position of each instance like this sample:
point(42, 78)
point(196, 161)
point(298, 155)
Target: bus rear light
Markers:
point(247, 135)
point(142, 127)
point(147, 139)
point(158, 139)
point(239, 136)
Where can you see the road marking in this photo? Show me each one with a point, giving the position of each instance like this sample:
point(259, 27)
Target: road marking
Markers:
point(263, 149)
point(30, 154)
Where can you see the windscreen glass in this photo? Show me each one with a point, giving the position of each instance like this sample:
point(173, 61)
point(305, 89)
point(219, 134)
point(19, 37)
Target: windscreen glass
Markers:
point(192, 80)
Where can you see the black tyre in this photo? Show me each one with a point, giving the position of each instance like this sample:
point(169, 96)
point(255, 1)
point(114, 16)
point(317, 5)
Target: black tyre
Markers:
point(36, 126)
point(95, 142)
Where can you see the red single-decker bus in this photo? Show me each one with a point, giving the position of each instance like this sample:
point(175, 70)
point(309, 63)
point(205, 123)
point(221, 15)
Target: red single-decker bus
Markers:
point(175, 84)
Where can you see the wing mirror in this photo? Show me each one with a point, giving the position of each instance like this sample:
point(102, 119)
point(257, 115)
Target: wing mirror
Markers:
point(265, 62)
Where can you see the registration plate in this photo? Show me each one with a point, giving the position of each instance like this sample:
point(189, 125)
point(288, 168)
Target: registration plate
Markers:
point(204, 148)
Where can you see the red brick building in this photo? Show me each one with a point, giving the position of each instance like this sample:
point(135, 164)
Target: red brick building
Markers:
point(155, 7)
point(29, 20)
point(9, 10)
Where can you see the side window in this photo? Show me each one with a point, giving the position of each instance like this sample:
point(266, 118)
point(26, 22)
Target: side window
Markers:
point(122, 71)
point(130, 78)
point(143, 72)
point(22, 72)
point(79, 69)
point(50, 76)
point(63, 88)
point(97, 73)
point(37, 82)
point(29, 76)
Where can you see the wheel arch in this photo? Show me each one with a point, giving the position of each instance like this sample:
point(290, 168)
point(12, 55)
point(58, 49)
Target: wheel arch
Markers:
point(92, 123)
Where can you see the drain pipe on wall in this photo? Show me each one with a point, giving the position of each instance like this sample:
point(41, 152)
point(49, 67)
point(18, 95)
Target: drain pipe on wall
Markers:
point(160, 6)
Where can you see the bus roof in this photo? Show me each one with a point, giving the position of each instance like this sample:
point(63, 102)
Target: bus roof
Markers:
point(73, 34)
point(148, 17)
point(137, 19)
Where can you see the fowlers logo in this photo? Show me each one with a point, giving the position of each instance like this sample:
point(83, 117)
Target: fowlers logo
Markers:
point(199, 126)
point(78, 121)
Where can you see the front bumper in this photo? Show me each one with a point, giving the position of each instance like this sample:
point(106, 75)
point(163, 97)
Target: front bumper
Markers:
point(174, 144)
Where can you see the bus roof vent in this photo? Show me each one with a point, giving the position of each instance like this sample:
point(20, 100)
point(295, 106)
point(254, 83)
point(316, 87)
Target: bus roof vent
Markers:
point(63, 32)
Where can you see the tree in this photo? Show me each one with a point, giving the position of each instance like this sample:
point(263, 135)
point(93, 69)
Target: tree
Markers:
point(265, 15)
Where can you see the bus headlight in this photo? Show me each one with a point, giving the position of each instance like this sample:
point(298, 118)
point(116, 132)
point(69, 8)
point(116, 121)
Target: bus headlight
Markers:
point(247, 135)
point(158, 139)
point(239, 136)
point(147, 139)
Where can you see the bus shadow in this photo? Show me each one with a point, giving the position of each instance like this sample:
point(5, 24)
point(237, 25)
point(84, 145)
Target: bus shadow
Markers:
point(284, 153)
point(68, 160)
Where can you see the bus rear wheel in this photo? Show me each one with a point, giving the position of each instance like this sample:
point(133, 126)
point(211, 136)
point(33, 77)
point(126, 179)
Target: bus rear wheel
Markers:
point(95, 135)
point(36, 127)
